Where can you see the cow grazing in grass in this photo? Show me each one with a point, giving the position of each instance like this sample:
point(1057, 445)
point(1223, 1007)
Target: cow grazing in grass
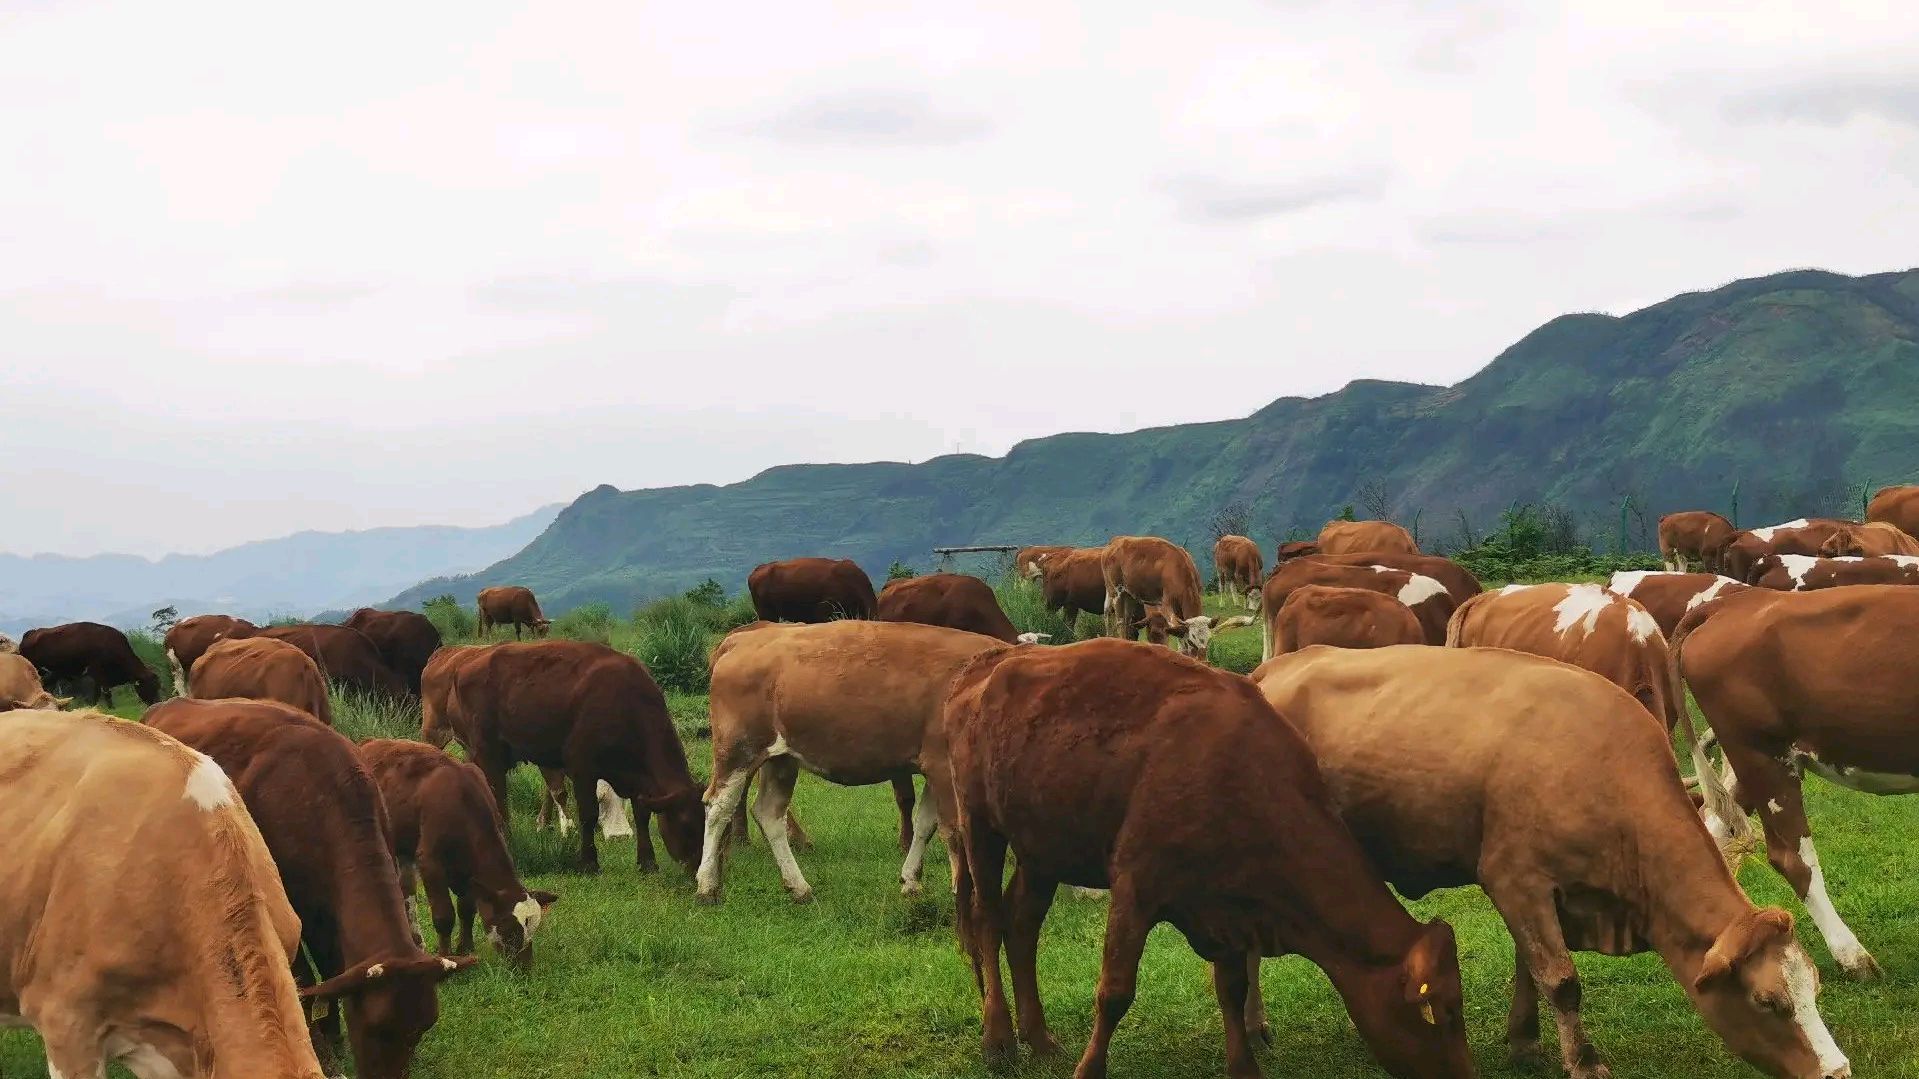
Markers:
point(1806, 573)
point(344, 655)
point(1071, 583)
point(953, 600)
point(811, 590)
point(852, 702)
point(326, 825)
point(1692, 538)
point(1668, 596)
point(511, 605)
point(592, 713)
point(1427, 598)
point(445, 833)
point(1585, 625)
point(1237, 564)
point(406, 640)
point(20, 686)
point(189, 638)
point(99, 656)
point(1544, 784)
point(142, 922)
point(1874, 538)
point(1365, 537)
point(1344, 618)
point(1803, 536)
point(1153, 584)
point(263, 669)
point(1197, 806)
point(1026, 560)
point(1802, 681)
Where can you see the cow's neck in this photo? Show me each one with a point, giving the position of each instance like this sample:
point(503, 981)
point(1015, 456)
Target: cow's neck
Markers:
point(1689, 900)
point(369, 914)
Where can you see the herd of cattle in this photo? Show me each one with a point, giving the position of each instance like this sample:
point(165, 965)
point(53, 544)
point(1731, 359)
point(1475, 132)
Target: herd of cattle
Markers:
point(250, 873)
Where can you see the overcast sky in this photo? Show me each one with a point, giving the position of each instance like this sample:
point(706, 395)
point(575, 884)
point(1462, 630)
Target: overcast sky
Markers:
point(265, 269)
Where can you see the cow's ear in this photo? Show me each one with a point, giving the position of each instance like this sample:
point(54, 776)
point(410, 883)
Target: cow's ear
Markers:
point(544, 899)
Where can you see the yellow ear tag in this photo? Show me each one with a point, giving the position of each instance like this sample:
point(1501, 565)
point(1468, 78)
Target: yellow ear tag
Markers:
point(1425, 1007)
point(320, 1009)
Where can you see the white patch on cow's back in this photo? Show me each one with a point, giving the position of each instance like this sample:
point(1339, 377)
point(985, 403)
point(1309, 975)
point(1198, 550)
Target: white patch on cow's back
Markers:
point(1626, 581)
point(1710, 593)
point(1583, 605)
point(1641, 624)
point(1906, 560)
point(527, 912)
point(207, 784)
point(1767, 532)
point(1420, 589)
point(1512, 588)
point(1797, 566)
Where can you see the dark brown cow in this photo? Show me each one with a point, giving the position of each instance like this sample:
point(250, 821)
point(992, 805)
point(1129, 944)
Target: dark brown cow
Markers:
point(1898, 506)
point(514, 605)
point(344, 655)
point(1425, 596)
point(1803, 536)
point(593, 713)
point(1196, 805)
point(1026, 560)
point(1344, 618)
point(1804, 573)
point(1868, 540)
point(1071, 582)
point(811, 590)
point(404, 639)
point(1692, 537)
point(326, 825)
point(189, 638)
point(1668, 596)
point(1545, 785)
point(1237, 563)
point(1292, 549)
point(445, 833)
point(88, 650)
point(1792, 681)
point(263, 669)
point(1459, 581)
point(1588, 626)
point(1153, 584)
point(1365, 537)
point(953, 600)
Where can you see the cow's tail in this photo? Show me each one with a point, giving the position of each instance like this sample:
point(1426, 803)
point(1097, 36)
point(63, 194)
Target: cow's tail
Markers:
point(1733, 833)
point(1456, 625)
point(179, 674)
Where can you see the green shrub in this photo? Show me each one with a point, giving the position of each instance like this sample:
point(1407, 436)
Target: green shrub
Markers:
point(454, 622)
point(671, 641)
point(590, 622)
point(707, 593)
point(1532, 544)
point(361, 716)
point(900, 571)
point(717, 618)
point(153, 652)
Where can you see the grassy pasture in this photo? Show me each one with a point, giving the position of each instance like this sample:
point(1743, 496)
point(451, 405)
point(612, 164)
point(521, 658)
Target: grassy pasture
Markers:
point(633, 978)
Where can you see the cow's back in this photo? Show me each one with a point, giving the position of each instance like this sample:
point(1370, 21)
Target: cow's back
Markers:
point(1362, 537)
point(953, 600)
point(262, 668)
point(1590, 627)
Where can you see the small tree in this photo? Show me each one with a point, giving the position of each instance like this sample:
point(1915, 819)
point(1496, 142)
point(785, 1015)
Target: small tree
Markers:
point(164, 619)
point(900, 571)
point(1375, 496)
point(707, 593)
point(1232, 519)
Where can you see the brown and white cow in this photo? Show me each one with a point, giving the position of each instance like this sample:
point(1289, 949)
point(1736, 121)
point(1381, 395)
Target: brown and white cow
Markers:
point(1897, 506)
point(189, 638)
point(1344, 618)
point(1805, 573)
point(511, 605)
point(1803, 536)
point(1668, 596)
point(1692, 537)
point(1544, 784)
point(591, 712)
point(20, 686)
point(1237, 564)
point(1026, 560)
point(344, 655)
point(100, 656)
point(849, 701)
point(1801, 681)
point(811, 590)
point(1586, 625)
point(1153, 584)
point(1365, 537)
point(1459, 581)
point(1071, 582)
point(406, 640)
point(325, 823)
point(953, 600)
point(263, 669)
point(142, 922)
point(1425, 596)
point(1196, 805)
point(1867, 540)
point(445, 833)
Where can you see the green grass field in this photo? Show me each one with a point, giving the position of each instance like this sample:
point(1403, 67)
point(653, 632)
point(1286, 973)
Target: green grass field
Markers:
point(633, 978)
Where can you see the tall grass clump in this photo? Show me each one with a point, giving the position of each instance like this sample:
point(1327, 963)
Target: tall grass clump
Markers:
point(153, 652)
point(454, 622)
point(671, 639)
point(361, 716)
point(590, 622)
point(1025, 607)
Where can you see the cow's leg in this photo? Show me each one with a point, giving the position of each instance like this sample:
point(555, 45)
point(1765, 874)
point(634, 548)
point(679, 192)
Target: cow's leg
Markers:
point(1524, 901)
point(1782, 812)
point(777, 777)
point(737, 831)
point(795, 834)
point(1256, 1023)
point(463, 913)
point(588, 808)
point(1031, 898)
point(1265, 639)
point(439, 902)
point(410, 889)
point(925, 820)
point(325, 1028)
point(722, 800)
point(1126, 927)
point(1232, 986)
point(641, 828)
point(1522, 1022)
point(903, 798)
point(986, 864)
point(553, 801)
point(494, 766)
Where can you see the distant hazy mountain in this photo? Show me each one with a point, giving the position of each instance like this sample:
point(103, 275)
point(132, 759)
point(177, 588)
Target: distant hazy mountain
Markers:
point(299, 574)
point(1799, 388)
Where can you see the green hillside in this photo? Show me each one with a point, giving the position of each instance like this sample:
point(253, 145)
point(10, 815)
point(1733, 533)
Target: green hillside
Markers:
point(1799, 388)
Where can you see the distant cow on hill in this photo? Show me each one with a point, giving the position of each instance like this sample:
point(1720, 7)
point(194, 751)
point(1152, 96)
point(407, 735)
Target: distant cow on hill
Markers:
point(405, 640)
point(811, 590)
point(511, 604)
point(344, 655)
point(953, 600)
point(99, 654)
point(1360, 537)
point(189, 638)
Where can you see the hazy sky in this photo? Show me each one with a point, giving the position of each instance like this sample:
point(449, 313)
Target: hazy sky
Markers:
point(264, 269)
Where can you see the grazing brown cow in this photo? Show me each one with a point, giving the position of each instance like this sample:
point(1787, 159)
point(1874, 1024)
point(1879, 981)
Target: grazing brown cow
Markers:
point(263, 669)
point(592, 712)
point(189, 638)
point(1365, 537)
point(1897, 506)
point(1292, 549)
point(953, 600)
point(1459, 581)
point(1668, 596)
point(326, 825)
point(1794, 681)
point(849, 701)
point(1545, 785)
point(142, 922)
point(1344, 618)
point(1153, 584)
point(343, 655)
point(1868, 540)
point(511, 604)
point(445, 833)
point(1805, 573)
point(1588, 626)
point(1026, 560)
point(1425, 596)
point(1692, 537)
point(811, 590)
point(101, 655)
point(20, 686)
point(1237, 563)
point(1071, 582)
point(1803, 536)
point(1196, 805)
point(404, 639)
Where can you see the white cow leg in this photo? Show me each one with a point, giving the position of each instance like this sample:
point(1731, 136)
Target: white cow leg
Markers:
point(1845, 946)
point(614, 821)
point(925, 820)
point(1265, 640)
point(777, 777)
point(719, 817)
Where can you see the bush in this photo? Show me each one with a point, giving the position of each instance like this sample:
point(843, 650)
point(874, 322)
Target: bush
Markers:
point(671, 641)
point(707, 593)
point(361, 716)
point(1025, 607)
point(716, 617)
point(590, 622)
point(900, 571)
point(454, 622)
point(1541, 545)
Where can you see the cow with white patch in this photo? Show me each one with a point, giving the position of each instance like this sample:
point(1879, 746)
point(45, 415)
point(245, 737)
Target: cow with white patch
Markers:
point(1804, 535)
point(1668, 596)
point(1427, 597)
point(1582, 624)
point(1153, 584)
point(1804, 573)
point(1459, 581)
point(1793, 682)
point(142, 922)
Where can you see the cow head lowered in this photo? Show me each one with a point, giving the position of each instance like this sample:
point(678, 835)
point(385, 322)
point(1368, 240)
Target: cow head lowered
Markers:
point(1195, 634)
point(391, 1003)
point(1759, 991)
point(1412, 1013)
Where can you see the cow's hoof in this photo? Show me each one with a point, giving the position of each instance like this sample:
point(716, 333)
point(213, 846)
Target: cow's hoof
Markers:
point(711, 899)
point(1262, 1033)
point(1045, 1045)
point(591, 869)
point(1863, 968)
point(649, 867)
point(1001, 1052)
point(910, 889)
point(1527, 1054)
point(801, 895)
